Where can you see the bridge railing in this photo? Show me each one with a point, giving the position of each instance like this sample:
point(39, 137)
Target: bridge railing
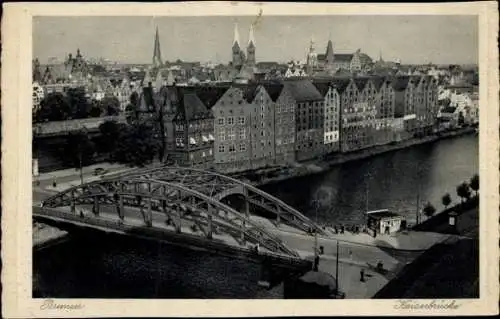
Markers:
point(293, 262)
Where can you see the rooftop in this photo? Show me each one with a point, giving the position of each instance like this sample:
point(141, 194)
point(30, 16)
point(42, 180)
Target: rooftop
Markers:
point(303, 90)
point(382, 213)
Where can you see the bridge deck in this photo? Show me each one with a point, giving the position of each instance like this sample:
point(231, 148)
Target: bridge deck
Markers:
point(221, 243)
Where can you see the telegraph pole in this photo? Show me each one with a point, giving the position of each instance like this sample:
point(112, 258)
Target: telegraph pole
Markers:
point(81, 164)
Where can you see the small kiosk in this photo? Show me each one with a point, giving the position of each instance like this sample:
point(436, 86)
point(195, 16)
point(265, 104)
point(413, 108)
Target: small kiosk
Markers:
point(383, 222)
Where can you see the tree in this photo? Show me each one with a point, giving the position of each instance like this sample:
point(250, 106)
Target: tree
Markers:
point(110, 134)
point(136, 145)
point(446, 200)
point(79, 103)
point(463, 191)
point(429, 210)
point(54, 107)
point(110, 105)
point(474, 183)
point(78, 149)
point(95, 109)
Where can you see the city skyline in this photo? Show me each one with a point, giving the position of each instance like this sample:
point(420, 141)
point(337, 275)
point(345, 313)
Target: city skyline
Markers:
point(435, 39)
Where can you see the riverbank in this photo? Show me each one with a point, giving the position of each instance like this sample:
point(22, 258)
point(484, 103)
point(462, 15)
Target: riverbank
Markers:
point(279, 173)
point(45, 236)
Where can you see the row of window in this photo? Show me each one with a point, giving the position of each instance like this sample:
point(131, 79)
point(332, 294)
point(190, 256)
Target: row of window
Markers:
point(230, 120)
point(232, 148)
point(231, 135)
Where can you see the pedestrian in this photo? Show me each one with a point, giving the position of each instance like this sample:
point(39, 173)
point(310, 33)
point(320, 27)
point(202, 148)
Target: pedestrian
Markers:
point(335, 229)
point(362, 275)
point(316, 263)
point(350, 254)
point(54, 184)
point(81, 214)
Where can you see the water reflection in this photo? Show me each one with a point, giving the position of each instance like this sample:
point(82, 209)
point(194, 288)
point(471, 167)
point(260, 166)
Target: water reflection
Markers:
point(392, 180)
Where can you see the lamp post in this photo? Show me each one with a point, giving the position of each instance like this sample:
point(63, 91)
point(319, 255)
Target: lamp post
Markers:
point(81, 164)
point(316, 205)
point(337, 270)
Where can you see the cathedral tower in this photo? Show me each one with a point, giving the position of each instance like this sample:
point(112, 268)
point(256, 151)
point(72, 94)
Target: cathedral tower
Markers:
point(251, 47)
point(237, 61)
point(157, 62)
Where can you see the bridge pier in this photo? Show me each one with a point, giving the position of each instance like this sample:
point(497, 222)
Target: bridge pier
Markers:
point(121, 213)
point(95, 207)
point(149, 214)
point(210, 212)
point(278, 215)
point(73, 204)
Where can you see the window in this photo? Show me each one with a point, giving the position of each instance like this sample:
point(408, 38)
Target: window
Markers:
point(222, 134)
point(221, 121)
point(242, 133)
point(221, 149)
point(243, 147)
point(232, 148)
point(230, 120)
point(241, 120)
point(230, 134)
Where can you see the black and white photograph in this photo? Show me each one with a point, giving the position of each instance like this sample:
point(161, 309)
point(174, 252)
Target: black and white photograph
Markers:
point(257, 156)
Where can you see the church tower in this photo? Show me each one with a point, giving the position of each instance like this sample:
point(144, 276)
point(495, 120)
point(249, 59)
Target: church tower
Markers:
point(157, 62)
point(329, 55)
point(236, 50)
point(312, 59)
point(251, 48)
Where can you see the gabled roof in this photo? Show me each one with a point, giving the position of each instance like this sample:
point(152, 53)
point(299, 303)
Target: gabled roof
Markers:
point(249, 91)
point(273, 89)
point(360, 82)
point(322, 86)
point(377, 81)
point(400, 83)
point(210, 95)
point(303, 91)
point(340, 83)
point(191, 107)
point(343, 57)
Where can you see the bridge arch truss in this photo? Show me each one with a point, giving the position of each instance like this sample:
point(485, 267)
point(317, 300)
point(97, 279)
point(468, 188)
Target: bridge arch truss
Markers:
point(219, 186)
point(156, 200)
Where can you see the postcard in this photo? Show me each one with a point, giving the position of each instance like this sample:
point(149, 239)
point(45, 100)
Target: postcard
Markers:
point(249, 159)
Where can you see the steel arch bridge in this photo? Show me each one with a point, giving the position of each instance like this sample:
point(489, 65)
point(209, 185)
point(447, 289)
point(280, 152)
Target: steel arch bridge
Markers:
point(186, 196)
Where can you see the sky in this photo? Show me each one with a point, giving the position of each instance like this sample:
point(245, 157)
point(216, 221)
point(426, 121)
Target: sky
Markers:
point(415, 39)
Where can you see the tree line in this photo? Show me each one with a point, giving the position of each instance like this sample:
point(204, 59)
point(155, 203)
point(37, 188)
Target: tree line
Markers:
point(74, 104)
point(464, 191)
point(135, 143)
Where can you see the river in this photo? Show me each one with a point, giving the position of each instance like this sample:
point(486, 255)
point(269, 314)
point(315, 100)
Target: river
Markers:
point(111, 266)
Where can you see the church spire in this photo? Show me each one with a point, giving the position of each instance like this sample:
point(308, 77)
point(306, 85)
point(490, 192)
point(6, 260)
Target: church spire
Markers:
point(251, 37)
point(236, 34)
point(157, 53)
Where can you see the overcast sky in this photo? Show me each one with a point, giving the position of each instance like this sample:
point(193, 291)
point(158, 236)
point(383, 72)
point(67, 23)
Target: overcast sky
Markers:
point(413, 39)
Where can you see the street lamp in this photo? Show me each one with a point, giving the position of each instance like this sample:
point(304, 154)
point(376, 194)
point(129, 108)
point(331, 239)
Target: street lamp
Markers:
point(316, 206)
